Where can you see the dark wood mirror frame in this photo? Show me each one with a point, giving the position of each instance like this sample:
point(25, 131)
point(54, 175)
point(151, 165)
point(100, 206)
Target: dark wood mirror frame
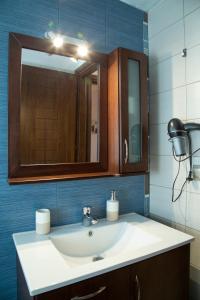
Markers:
point(18, 173)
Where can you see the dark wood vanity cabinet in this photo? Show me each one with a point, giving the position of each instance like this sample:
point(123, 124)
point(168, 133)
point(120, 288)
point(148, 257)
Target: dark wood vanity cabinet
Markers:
point(128, 112)
point(163, 277)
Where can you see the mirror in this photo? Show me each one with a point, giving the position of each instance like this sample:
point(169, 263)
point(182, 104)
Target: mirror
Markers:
point(59, 109)
point(58, 120)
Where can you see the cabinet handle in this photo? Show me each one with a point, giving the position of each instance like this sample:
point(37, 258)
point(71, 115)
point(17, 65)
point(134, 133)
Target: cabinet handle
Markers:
point(126, 151)
point(89, 296)
point(138, 287)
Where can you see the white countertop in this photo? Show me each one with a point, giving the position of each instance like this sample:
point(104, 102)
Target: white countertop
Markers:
point(45, 268)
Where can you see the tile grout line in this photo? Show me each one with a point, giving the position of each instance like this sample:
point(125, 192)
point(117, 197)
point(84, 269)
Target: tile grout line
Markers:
point(154, 5)
point(177, 87)
point(169, 188)
point(175, 223)
point(174, 23)
point(153, 65)
point(186, 93)
point(161, 60)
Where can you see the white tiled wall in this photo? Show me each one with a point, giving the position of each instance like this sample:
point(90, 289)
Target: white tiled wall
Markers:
point(174, 92)
point(163, 171)
point(192, 34)
point(161, 207)
point(167, 74)
point(165, 103)
point(190, 5)
point(168, 42)
point(162, 15)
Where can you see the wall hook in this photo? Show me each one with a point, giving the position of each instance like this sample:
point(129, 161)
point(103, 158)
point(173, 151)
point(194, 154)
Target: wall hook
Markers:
point(184, 52)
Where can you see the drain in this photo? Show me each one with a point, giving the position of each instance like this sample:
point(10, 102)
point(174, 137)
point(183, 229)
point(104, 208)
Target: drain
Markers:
point(96, 258)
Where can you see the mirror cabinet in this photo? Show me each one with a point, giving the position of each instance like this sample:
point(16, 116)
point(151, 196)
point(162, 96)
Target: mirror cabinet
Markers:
point(73, 117)
point(128, 111)
point(57, 111)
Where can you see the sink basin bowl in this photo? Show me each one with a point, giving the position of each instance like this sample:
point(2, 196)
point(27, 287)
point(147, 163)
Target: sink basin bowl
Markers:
point(89, 241)
point(66, 255)
point(99, 242)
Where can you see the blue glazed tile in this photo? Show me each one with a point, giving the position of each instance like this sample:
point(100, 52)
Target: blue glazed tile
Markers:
point(8, 250)
point(92, 12)
point(130, 37)
point(8, 277)
point(21, 201)
point(3, 105)
point(145, 31)
point(81, 19)
point(122, 10)
point(124, 26)
point(106, 24)
point(72, 197)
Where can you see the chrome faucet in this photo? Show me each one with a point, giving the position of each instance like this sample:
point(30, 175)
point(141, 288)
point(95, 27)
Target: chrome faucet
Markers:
point(88, 219)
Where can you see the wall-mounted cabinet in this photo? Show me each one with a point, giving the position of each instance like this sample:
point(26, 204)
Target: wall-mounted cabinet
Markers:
point(57, 111)
point(71, 117)
point(128, 112)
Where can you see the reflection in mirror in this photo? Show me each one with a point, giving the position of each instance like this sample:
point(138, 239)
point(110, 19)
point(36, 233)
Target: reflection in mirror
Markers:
point(134, 118)
point(59, 109)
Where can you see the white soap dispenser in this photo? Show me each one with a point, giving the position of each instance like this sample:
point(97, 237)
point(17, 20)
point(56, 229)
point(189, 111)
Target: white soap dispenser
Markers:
point(112, 208)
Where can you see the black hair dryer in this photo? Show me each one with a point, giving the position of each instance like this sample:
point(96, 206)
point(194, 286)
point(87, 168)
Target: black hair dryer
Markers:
point(179, 134)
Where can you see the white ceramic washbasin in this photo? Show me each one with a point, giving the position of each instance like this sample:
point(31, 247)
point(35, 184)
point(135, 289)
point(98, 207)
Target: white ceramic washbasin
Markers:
point(65, 256)
point(99, 242)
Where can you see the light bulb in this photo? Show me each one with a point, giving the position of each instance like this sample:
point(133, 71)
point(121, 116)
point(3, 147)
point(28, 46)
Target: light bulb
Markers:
point(74, 59)
point(58, 41)
point(82, 50)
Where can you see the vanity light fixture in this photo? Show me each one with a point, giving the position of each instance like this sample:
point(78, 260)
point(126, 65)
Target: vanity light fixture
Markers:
point(74, 59)
point(56, 38)
point(58, 41)
point(82, 50)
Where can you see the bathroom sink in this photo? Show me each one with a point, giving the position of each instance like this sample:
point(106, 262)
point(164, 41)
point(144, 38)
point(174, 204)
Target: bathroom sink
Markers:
point(90, 240)
point(71, 253)
point(96, 243)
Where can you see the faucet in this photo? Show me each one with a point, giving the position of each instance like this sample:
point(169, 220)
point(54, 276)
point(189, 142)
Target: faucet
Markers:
point(88, 219)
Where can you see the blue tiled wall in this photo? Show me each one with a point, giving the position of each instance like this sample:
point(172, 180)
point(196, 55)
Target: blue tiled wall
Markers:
point(106, 24)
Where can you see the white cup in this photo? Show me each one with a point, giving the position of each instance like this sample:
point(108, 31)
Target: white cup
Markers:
point(42, 221)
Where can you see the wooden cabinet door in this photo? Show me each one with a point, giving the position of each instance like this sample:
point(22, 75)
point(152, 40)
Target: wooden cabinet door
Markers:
point(164, 277)
point(119, 284)
point(110, 286)
point(94, 288)
point(133, 111)
point(58, 294)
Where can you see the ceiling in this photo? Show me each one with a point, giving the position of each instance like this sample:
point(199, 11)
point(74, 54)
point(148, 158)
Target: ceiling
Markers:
point(52, 62)
point(142, 4)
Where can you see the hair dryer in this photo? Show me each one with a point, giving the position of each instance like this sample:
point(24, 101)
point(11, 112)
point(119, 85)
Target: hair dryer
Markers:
point(181, 140)
point(180, 135)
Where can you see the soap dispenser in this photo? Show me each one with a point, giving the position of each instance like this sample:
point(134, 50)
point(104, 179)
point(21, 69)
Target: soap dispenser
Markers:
point(112, 207)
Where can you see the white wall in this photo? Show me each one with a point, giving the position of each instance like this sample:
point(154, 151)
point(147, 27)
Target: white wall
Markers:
point(175, 92)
